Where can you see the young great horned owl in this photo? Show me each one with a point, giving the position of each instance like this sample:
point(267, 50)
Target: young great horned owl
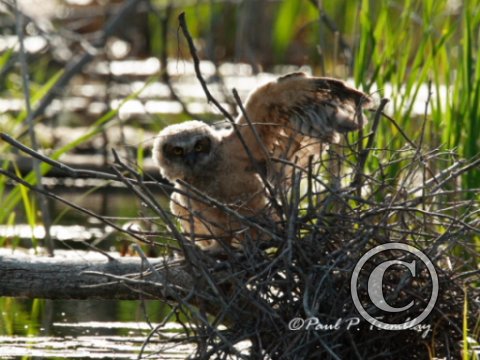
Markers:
point(290, 116)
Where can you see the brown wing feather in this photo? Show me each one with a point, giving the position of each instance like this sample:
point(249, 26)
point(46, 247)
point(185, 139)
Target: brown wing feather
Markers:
point(296, 107)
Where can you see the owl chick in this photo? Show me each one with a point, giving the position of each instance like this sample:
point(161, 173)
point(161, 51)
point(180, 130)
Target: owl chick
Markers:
point(286, 116)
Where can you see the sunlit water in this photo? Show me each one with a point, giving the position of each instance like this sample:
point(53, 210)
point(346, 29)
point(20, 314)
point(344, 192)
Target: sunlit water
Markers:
point(84, 329)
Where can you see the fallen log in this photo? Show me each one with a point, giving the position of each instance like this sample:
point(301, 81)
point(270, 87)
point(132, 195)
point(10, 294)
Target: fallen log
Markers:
point(73, 274)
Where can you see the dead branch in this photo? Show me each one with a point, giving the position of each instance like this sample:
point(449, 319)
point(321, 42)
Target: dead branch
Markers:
point(88, 275)
point(196, 64)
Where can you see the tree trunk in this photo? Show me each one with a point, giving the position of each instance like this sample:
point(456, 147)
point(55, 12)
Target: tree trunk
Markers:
point(89, 275)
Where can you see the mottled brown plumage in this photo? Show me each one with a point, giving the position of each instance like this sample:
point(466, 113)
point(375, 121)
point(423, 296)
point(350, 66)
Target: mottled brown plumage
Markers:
point(290, 116)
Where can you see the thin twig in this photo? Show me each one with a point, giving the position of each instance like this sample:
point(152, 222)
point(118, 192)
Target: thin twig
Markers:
point(211, 98)
point(68, 203)
point(146, 196)
point(271, 191)
point(400, 130)
point(215, 203)
point(196, 64)
point(446, 175)
point(70, 171)
point(165, 75)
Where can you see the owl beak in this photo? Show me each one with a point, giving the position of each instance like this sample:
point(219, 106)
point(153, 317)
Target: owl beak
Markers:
point(190, 159)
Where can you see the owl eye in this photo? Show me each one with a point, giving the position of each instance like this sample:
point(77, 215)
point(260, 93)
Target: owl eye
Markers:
point(202, 146)
point(178, 151)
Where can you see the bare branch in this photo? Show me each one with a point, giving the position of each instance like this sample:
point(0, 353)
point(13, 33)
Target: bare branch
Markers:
point(196, 64)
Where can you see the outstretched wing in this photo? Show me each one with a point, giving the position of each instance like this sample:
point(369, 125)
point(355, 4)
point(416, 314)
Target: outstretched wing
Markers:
point(297, 109)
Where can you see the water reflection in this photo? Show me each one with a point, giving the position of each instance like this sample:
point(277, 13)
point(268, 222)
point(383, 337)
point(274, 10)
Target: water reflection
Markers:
point(80, 329)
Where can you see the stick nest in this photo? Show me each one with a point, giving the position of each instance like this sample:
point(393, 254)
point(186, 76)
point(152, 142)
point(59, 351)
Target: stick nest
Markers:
point(290, 297)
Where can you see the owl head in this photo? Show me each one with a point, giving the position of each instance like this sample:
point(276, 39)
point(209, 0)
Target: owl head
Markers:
point(187, 150)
